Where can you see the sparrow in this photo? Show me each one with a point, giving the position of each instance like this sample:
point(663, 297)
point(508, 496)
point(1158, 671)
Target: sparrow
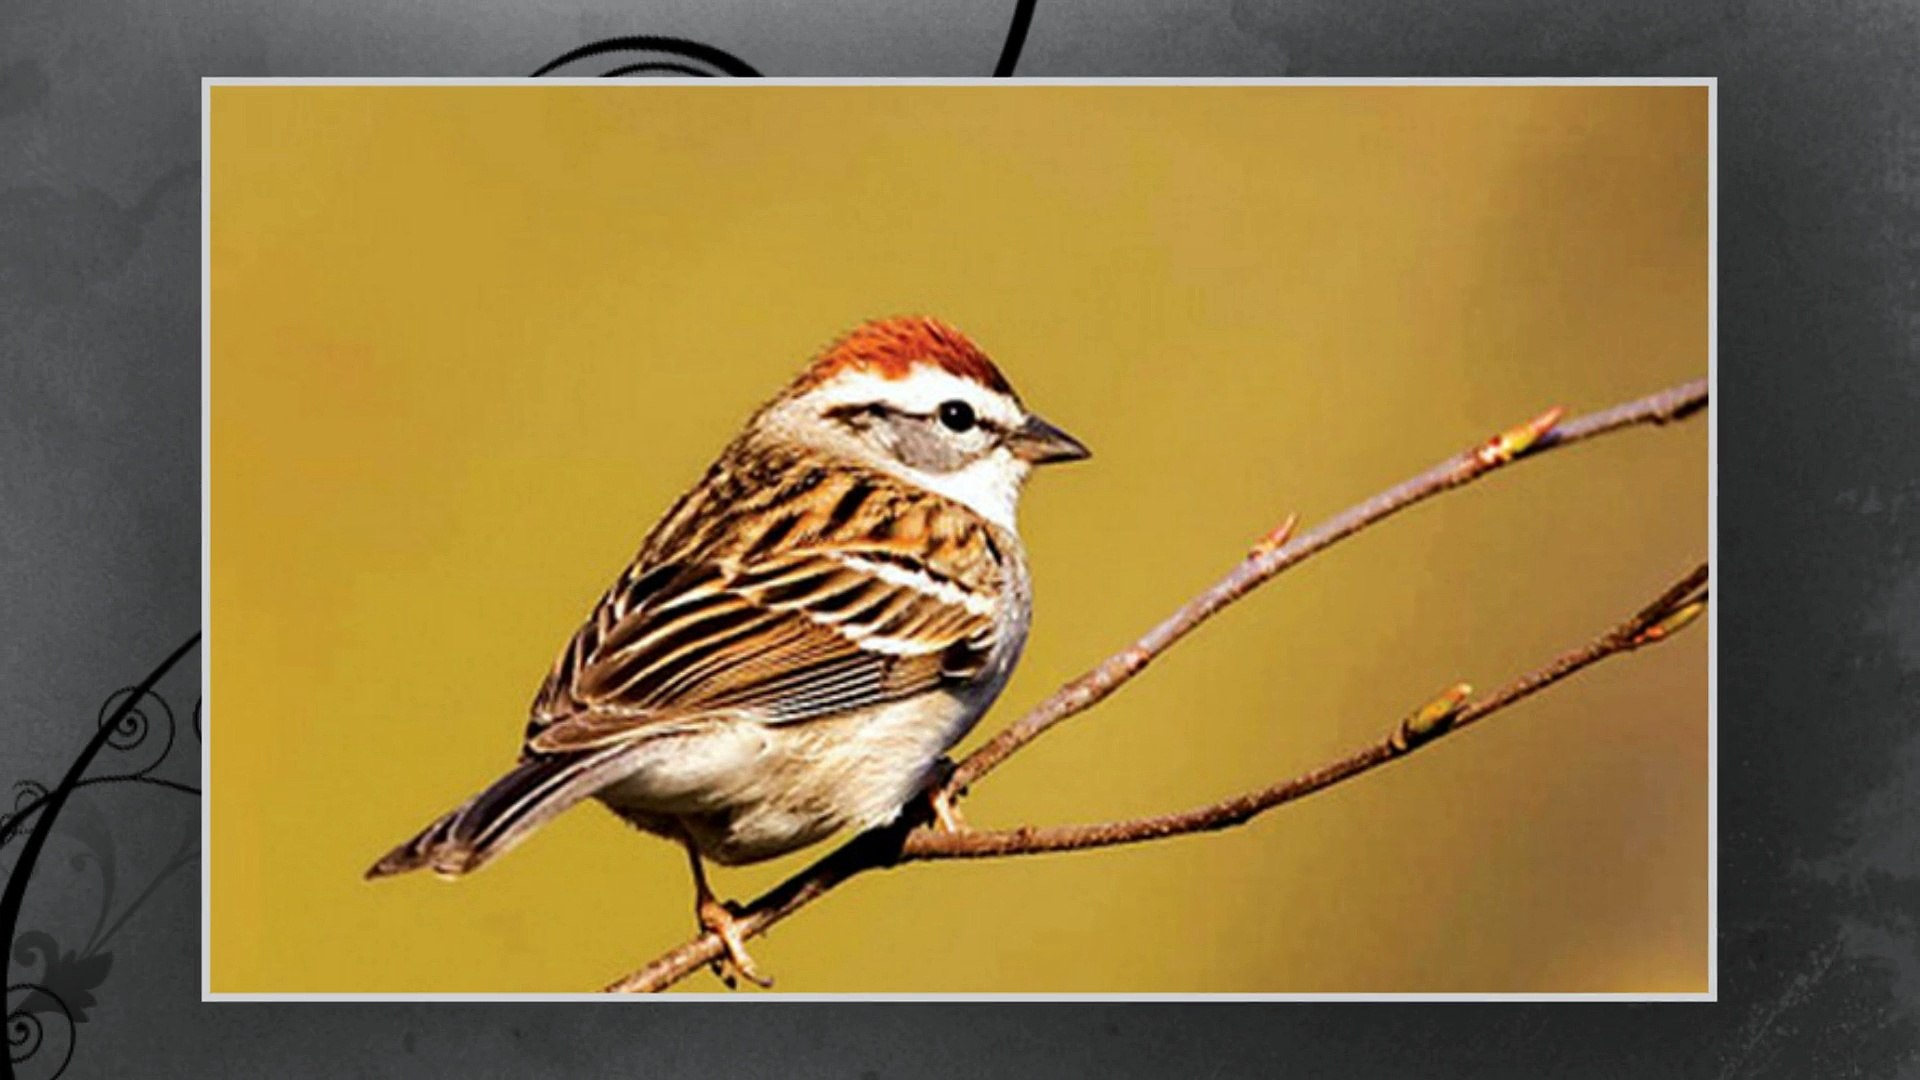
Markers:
point(803, 636)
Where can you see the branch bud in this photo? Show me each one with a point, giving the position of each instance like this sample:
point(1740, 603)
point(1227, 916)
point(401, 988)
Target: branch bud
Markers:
point(1672, 623)
point(1432, 719)
point(1516, 440)
point(1273, 541)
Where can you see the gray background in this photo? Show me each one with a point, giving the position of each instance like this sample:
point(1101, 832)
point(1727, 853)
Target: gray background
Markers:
point(1818, 586)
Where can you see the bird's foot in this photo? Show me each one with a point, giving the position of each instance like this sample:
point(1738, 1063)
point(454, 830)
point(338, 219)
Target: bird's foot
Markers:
point(940, 801)
point(946, 813)
point(724, 920)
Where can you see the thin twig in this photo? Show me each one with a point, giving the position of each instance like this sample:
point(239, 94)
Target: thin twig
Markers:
point(909, 840)
point(926, 844)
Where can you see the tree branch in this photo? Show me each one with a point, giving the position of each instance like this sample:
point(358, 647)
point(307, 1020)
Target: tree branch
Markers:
point(1530, 439)
point(1448, 713)
point(913, 839)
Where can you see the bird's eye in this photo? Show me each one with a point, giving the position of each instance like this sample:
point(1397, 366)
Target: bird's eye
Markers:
point(957, 415)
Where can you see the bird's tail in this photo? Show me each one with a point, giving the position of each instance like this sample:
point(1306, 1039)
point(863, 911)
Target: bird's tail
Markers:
point(501, 816)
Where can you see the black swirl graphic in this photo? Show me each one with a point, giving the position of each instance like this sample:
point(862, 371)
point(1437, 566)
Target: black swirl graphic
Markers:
point(125, 721)
point(646, 54)
point(28, 796)
point(27, 1031)
point(130, 725)
point(1016, 39)
point(66, 978)
point(687, 58)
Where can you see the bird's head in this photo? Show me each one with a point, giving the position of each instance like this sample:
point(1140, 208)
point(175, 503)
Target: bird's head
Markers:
point(915, 398)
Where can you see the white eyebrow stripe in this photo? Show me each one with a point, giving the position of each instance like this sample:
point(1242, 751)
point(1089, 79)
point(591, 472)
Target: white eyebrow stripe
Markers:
point(920, 582)
point(920, 392)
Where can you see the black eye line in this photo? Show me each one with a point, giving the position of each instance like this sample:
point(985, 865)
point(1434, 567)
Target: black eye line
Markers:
point(846, 414)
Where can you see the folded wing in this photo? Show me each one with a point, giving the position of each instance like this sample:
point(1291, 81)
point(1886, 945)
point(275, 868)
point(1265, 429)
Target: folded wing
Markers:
point(807, 633)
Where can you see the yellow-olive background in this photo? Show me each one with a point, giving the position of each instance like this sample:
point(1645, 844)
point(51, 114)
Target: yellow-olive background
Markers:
point(469, 342)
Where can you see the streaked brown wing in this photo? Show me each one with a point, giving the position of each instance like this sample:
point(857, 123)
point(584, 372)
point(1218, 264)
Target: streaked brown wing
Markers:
point(808, 633)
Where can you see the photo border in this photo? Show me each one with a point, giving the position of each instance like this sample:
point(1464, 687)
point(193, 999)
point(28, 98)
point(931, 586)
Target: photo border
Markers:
point(722, 85)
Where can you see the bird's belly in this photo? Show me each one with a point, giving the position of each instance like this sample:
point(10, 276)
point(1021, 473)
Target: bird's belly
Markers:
point(745, 790)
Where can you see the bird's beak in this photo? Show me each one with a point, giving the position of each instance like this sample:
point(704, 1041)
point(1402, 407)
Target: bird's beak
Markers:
point(1040, 443)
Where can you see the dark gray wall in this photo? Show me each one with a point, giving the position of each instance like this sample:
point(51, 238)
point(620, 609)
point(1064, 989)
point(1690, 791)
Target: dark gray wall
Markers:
point(1818, 586)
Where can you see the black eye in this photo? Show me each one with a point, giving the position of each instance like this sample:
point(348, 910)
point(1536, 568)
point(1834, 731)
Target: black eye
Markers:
point(957, 415)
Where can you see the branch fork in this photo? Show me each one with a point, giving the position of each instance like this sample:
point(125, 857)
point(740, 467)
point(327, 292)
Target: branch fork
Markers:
point(935, 830)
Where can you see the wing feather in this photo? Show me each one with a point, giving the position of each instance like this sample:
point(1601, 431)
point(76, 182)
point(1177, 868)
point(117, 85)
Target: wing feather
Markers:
point(801, 634)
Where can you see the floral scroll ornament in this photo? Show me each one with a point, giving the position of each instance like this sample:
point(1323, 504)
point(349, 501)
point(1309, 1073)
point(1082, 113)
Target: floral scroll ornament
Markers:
point(51, 988)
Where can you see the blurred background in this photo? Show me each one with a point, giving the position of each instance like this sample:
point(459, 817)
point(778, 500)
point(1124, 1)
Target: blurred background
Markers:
point(467, 344)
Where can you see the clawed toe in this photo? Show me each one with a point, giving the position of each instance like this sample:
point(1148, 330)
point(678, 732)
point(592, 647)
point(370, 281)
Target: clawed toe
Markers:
point(724, 920)
point(946, 812)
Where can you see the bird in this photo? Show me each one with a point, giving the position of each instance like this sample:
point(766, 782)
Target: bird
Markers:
point(803, 636)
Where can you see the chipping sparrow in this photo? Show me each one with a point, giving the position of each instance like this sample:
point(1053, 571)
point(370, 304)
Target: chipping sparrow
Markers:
point(804, 634)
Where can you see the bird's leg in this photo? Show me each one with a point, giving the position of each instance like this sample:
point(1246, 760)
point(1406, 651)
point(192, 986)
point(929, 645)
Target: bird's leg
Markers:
point(723, 920)
point(946, 813)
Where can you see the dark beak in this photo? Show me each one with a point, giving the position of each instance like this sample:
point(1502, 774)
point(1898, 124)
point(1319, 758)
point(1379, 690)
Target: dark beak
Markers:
point(1041, 443)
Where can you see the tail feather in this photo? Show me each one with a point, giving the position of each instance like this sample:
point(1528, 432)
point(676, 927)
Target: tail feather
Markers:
point(498, 818)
